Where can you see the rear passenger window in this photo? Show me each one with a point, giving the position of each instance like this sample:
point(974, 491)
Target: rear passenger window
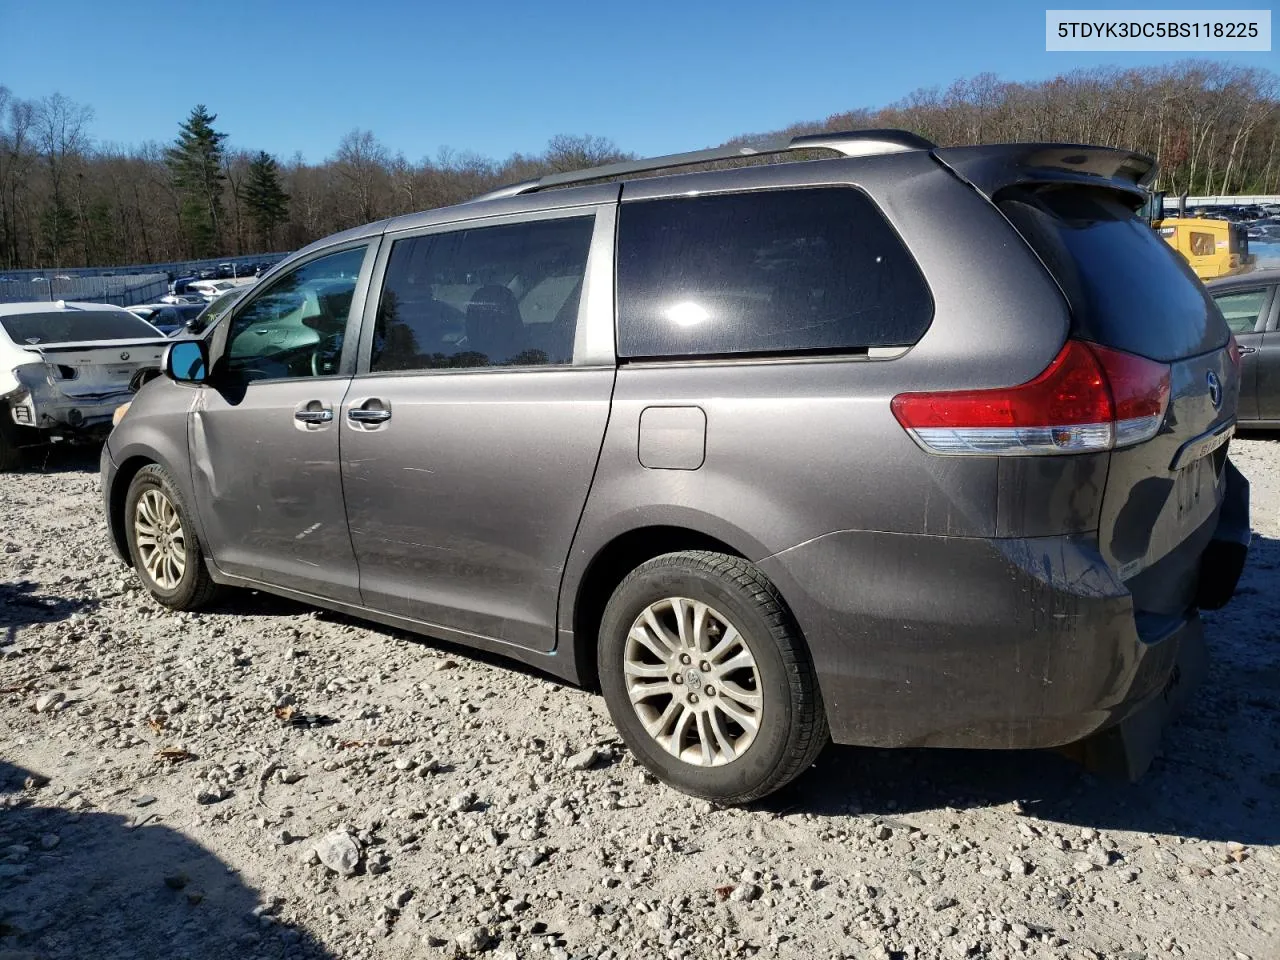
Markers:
point(1242, 309)
point(778, 271)
point(504, 296)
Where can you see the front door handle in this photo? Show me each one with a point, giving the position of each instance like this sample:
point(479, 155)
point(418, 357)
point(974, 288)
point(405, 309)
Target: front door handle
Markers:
point(370, 412)
point(313, 416)
point(1245, 351)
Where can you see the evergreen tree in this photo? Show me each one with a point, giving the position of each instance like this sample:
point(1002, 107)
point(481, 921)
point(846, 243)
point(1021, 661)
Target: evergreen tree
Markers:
point(267, 202)
point(195, 166)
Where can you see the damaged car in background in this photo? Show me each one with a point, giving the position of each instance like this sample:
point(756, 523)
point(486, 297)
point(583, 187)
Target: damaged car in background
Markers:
point(65, 368)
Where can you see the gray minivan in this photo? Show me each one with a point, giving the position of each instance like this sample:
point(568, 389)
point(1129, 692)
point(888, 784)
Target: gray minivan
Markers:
point(900, 446)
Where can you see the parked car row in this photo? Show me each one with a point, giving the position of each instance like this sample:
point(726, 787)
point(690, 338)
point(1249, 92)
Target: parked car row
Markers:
point(168, 318)
point(773, 455)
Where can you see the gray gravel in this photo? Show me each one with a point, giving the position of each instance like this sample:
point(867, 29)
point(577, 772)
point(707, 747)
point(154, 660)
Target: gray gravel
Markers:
point(265, 780)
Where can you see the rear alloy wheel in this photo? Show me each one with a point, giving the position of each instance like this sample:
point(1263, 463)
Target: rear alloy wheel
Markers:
point(163, 544)
point(708, 679)
point(693, 682)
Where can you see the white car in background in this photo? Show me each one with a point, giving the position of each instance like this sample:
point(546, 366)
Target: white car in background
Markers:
point(65, 368)
point(212, 289)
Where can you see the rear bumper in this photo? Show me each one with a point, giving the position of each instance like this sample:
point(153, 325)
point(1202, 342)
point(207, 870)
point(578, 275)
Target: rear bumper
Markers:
point(968, 642)
point(55, 413)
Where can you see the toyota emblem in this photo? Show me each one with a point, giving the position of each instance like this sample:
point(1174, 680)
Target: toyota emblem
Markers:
point(124, 355)
point(1215, 389)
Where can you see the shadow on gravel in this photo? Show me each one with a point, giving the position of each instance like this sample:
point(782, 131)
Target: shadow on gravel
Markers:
point(106, 889)
point(21, 606)
point(256, 603)
point(261, 604)
point(61, 458)
point(1217, 777)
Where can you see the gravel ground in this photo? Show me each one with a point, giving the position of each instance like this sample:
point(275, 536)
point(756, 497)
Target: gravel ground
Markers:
point(265, 780)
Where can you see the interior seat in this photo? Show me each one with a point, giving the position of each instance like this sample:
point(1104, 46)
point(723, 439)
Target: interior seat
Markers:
point(494, 327)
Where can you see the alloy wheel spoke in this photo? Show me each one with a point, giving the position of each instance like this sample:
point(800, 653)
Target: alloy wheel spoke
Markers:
point(727, 641)
point(716, 723)
point(658, 724)
point(748, 698)
point(704, 737)
point(639, 692)
point(646, 671)
point(739, 661)
point(641, 634)
point(660, 634)
point(743, 717)
point(681, 729)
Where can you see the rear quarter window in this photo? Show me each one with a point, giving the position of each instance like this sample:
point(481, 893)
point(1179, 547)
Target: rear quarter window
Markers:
point(816, 270)
point(1127, 287)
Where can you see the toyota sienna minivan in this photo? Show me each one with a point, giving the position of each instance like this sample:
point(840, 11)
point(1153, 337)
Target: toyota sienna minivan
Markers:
point(884, 443)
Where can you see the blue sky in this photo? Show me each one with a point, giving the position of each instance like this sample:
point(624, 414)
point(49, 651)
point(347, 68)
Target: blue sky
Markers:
point(505, 75)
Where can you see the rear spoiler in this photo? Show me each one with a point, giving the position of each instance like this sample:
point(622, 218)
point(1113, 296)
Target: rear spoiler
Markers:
point(990, 169)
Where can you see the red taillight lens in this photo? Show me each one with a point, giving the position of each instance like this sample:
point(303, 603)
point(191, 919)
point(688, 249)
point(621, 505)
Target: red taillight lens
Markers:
point(1088, 398)
point(1233, 351)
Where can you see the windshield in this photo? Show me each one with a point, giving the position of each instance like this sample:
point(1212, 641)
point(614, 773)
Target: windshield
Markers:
point(75, 326)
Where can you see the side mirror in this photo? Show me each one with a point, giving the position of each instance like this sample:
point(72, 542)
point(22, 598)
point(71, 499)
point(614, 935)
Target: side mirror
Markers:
point(187, 361)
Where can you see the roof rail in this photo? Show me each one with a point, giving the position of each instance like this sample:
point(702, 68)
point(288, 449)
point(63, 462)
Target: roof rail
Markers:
point(850, 143)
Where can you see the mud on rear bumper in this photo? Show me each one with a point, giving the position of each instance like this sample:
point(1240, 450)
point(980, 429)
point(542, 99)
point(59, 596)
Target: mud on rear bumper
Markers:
point(994, 643)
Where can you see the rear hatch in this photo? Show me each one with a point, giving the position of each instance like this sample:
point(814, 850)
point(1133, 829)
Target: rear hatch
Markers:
point(1130, 291)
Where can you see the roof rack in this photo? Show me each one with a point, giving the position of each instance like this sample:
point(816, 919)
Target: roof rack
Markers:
point(850, 143)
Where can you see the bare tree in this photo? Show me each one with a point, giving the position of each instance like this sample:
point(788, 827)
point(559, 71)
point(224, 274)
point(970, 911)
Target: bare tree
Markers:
point(362, 162)
point(60, 132)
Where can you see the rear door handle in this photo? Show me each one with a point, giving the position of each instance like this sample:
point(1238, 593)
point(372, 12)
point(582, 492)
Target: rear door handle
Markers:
point(313, 416)
point(370, 412)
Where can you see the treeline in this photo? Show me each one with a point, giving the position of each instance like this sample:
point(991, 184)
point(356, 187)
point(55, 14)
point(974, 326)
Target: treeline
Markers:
point(67, 200)
point(1214, 128)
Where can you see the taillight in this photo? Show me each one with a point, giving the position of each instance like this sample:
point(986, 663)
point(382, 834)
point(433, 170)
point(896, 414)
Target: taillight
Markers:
point(1089, 398)
point(1233, 351)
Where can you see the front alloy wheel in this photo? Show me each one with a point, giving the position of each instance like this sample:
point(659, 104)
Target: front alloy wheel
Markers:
point(162, 543)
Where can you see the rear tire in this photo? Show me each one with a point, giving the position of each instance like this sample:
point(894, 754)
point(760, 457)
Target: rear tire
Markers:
point(162, 542)
point(707, 678)
point(10, 452)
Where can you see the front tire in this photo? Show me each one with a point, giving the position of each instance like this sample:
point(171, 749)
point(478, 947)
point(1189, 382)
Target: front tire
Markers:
point(707, 678)
point(163, 544)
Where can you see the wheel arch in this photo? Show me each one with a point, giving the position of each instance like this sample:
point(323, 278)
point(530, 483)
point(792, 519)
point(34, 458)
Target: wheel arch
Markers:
point(607, 568)
point(116, 500)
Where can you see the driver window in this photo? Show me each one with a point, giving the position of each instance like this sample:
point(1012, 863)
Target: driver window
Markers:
point(295, 327)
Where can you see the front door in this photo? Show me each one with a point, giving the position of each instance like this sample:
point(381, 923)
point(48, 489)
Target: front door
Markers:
point(264, 433)
point(1246, 310)
point(471, 433)
point(1267, 360)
